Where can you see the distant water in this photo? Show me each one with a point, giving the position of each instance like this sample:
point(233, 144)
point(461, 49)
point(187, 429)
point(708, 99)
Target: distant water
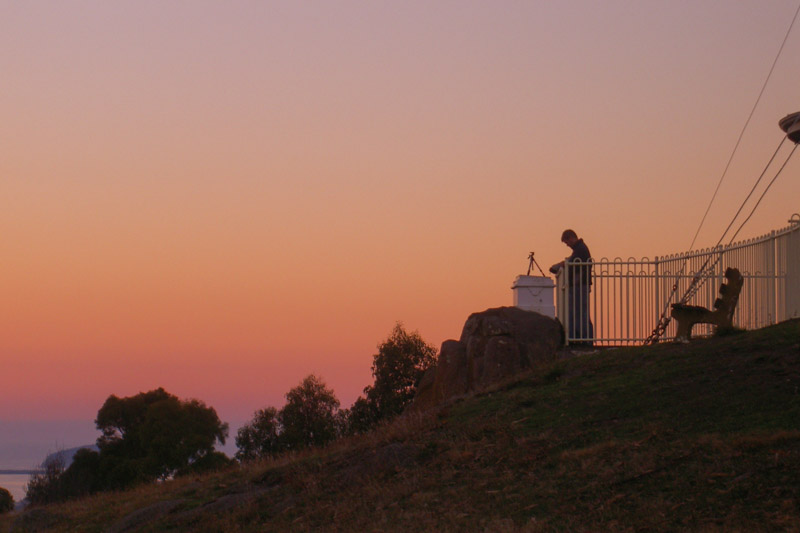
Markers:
point(24, 444)
point(15, 484)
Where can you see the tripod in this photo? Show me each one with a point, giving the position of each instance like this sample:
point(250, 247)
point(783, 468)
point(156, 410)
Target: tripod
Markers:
point(531, 262)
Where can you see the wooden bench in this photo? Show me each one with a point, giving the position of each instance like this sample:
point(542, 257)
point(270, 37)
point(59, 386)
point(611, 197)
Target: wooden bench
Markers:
point(722, 315)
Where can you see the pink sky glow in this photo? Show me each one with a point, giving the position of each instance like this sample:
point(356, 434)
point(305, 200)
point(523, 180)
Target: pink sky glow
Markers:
point(220, 198)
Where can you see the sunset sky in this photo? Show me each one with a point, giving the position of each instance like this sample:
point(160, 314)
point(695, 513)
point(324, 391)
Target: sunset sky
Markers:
point(221, 198)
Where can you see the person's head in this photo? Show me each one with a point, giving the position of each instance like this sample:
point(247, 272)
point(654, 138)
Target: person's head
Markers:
point(569, 237)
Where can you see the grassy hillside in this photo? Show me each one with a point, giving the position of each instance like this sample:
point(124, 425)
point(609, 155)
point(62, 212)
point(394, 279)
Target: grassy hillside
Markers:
point(704, 436)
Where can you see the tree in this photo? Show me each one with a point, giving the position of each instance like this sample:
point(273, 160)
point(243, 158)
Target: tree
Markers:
point(45, 486)
point(83, 476)
point(56, 483)
point(361, 416)
point(260, 437)
point(208, 463)
point(399, 365)
point(309, 417)
point(6, 501)
point(154, 435)
point(147, 437)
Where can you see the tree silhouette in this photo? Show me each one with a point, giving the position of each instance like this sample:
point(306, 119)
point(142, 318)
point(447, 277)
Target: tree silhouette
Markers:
point(155, 435)
point(400, 363)
point(6, 501)
point(260, 437)
point(309, 417)
point(151, 436)
point(45, 486)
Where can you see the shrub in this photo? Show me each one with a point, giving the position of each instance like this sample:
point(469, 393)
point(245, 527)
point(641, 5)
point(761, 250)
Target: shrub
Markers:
point(45, 486)
point(6, 501)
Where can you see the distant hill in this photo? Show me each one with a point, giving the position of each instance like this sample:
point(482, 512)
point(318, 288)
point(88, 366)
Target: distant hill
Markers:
point(673, 437)
point(67, 455)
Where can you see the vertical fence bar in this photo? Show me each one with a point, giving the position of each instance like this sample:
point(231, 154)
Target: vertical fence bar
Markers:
point(562, 303)
point(657, 291)
point(772, 279)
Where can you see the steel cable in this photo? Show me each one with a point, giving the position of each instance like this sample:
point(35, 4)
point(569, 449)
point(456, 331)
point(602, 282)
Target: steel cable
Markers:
point(664, 319)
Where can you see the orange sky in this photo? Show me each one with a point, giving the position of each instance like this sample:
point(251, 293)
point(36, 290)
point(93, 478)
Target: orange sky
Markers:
point(221, 198)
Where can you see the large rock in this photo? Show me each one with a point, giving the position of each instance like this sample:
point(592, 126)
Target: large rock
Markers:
point(495, 344)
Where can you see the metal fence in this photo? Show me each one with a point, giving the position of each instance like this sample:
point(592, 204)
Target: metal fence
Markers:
point(628, 297)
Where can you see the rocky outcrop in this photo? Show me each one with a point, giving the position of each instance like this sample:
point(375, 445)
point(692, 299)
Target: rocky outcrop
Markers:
point(35, 520)
point(145, 516)
point(495, 344)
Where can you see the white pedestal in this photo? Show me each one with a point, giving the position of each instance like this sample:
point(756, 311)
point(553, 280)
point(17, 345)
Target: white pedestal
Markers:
point(535, 293)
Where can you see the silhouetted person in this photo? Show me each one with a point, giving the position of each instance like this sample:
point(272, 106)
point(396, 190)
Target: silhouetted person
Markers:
point(579, 284)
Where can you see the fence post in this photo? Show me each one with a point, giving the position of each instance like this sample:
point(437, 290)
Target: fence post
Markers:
point(562, 301)
point(657, 290)
point(792, 284)
point(771, 278)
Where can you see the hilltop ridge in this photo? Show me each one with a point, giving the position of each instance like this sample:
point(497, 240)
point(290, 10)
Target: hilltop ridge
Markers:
point(671, 437)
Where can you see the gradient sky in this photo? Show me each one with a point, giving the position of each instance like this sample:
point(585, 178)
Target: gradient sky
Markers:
point(222, 197)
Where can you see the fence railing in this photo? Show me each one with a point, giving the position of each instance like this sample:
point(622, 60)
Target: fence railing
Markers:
point(628, 296)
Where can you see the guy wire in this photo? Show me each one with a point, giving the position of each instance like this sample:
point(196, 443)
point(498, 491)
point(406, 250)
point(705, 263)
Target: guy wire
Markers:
point(746, 123)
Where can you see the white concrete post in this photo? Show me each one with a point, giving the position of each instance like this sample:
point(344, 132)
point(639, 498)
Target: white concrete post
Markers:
point(534, 293)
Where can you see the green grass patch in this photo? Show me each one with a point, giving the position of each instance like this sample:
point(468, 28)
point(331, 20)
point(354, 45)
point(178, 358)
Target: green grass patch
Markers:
point(701, 437)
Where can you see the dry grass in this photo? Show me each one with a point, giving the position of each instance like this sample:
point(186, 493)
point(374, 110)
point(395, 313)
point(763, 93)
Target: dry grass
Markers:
point(701, 437)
